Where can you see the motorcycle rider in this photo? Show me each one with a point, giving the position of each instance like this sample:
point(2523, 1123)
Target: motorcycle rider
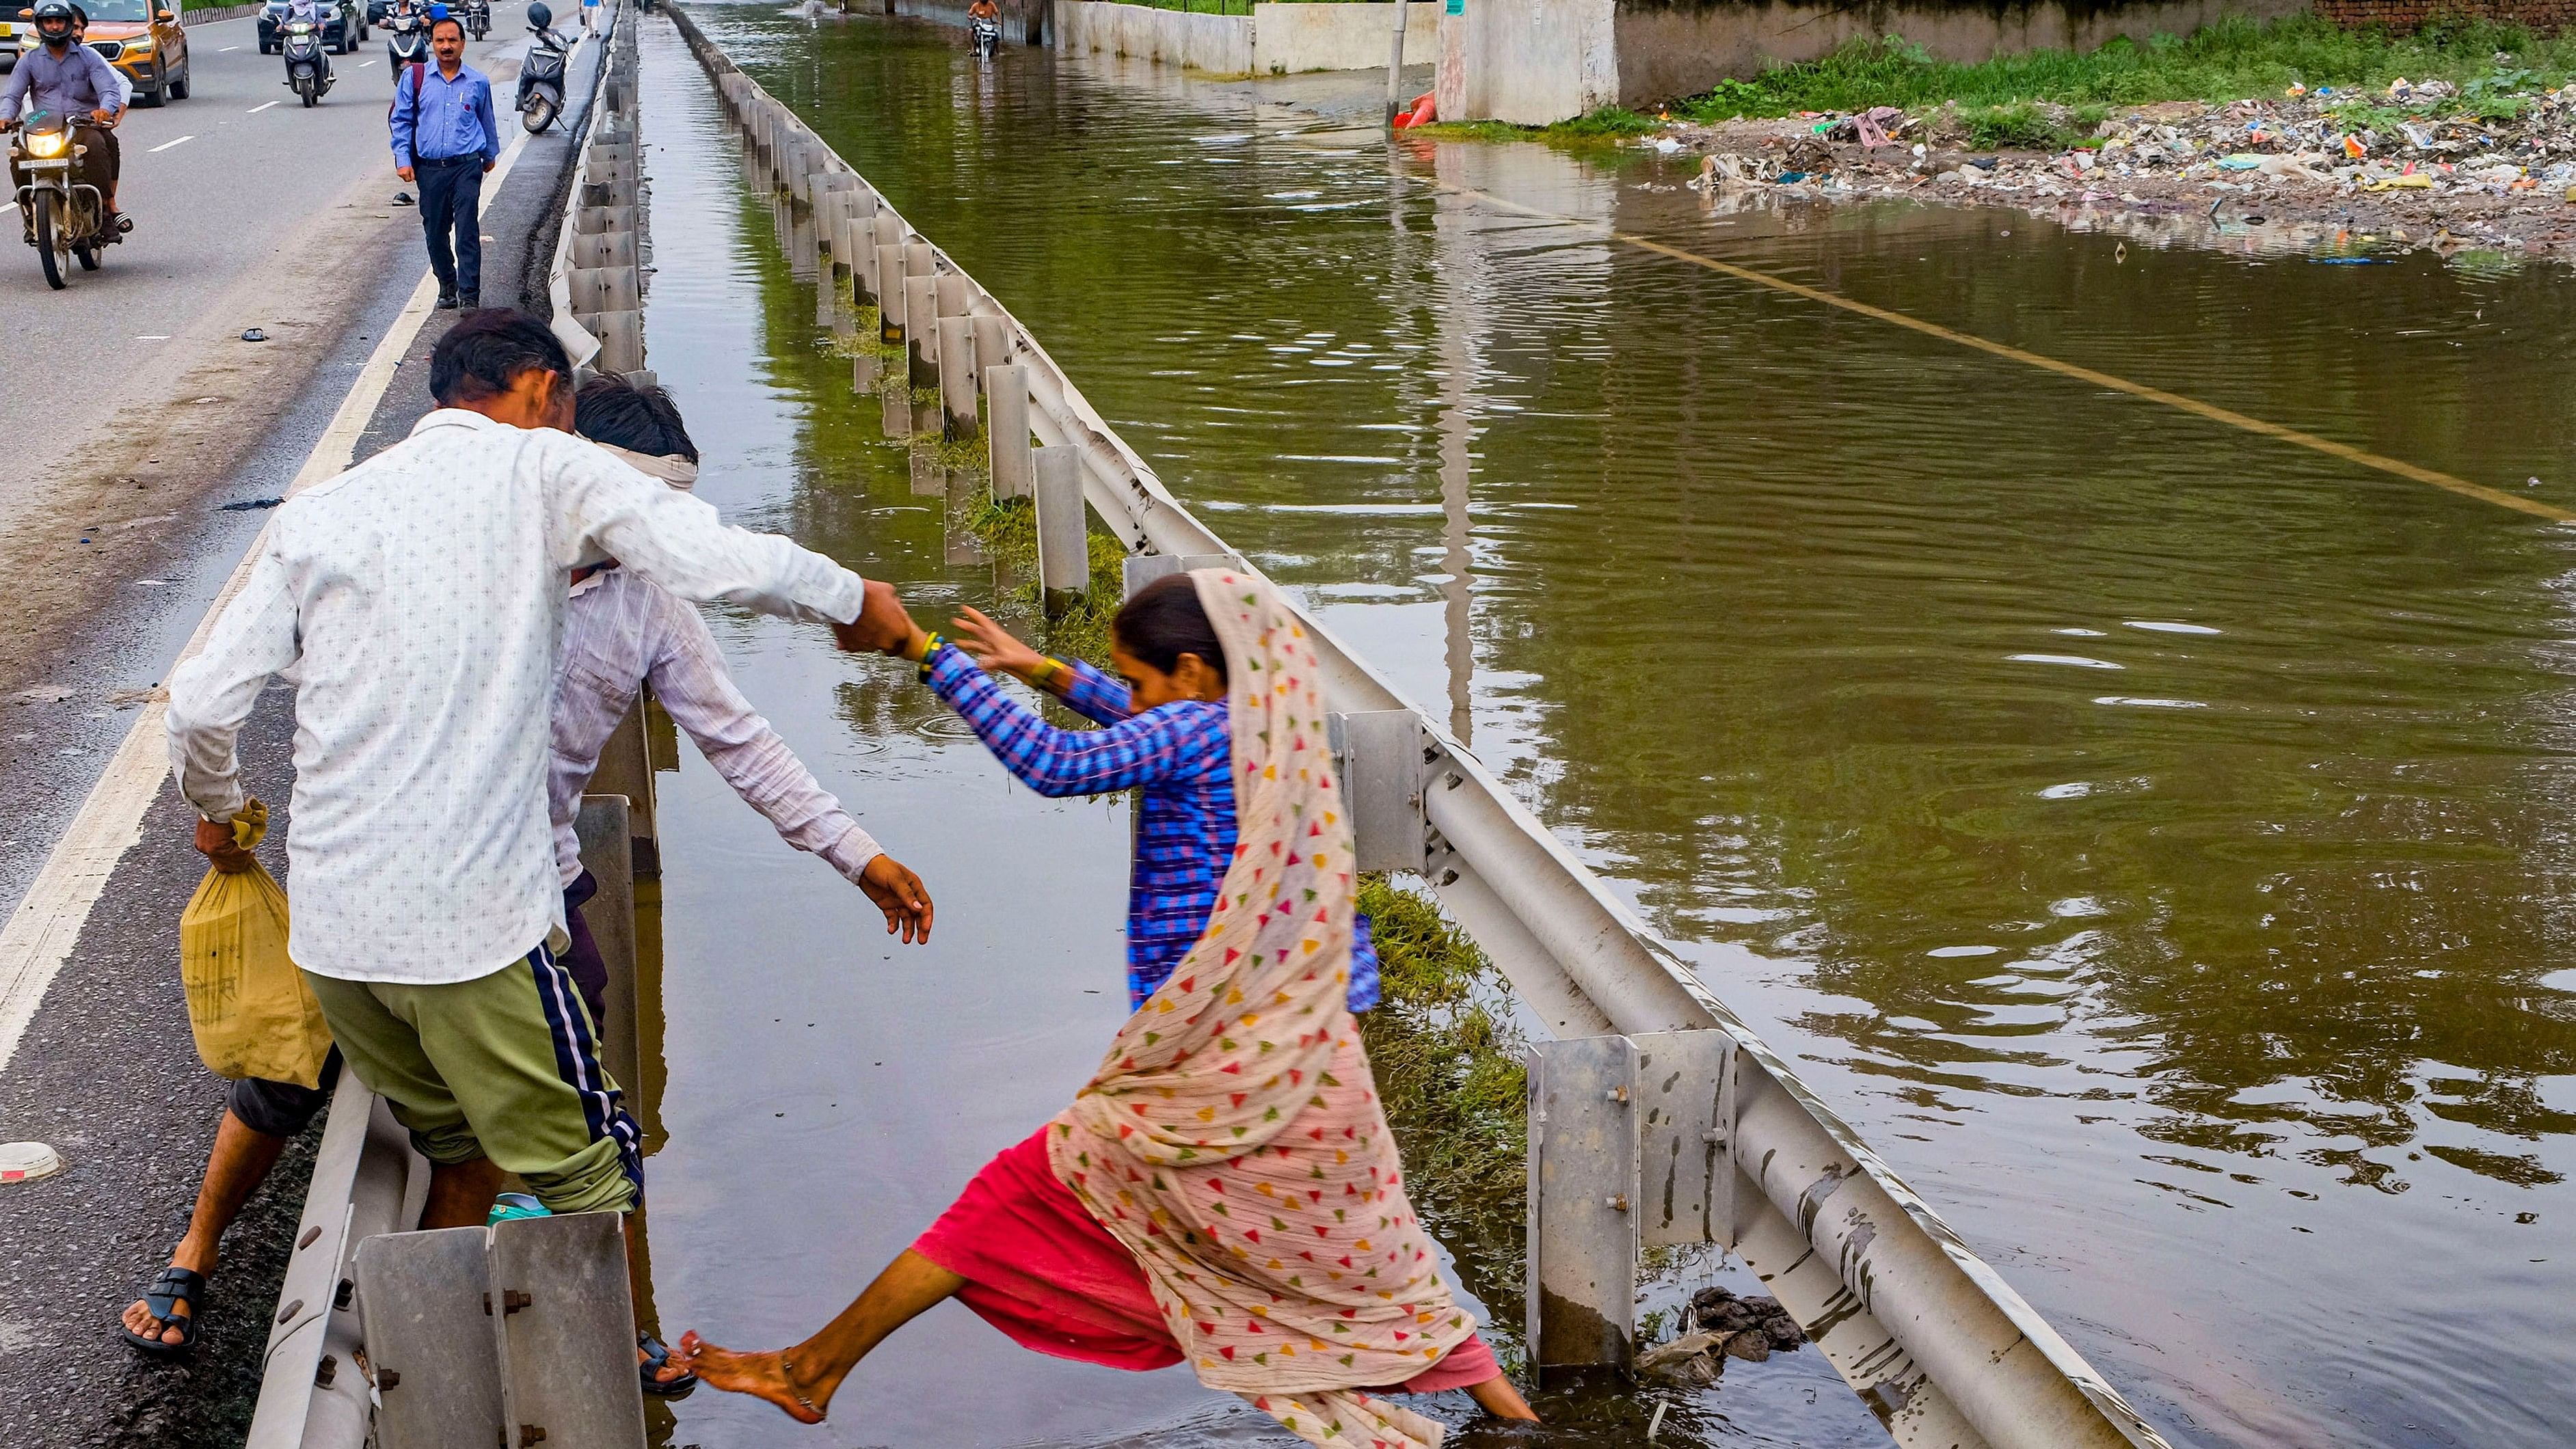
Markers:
point(984, 10)
point(62, 75)
point(311, 13)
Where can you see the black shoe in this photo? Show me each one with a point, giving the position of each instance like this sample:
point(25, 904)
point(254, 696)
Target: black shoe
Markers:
point(447, 299)
point(120, 223)
point(472, 301)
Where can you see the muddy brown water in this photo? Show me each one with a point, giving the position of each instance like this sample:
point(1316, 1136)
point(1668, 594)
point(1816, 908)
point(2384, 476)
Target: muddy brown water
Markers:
point(2154, 836)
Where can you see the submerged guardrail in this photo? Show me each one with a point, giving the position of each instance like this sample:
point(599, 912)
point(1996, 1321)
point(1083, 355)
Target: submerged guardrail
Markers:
point(1657, 1116)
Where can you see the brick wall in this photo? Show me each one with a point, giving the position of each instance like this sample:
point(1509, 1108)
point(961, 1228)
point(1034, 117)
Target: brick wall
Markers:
point(2408, 14)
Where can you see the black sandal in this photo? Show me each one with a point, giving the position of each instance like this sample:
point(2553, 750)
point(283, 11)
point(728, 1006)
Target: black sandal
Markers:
point(162, 1297)
point(657, 1357)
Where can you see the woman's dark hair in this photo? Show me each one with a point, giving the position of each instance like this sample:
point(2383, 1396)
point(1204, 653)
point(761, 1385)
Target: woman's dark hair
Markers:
point(1165, 621)
point(643, 420)
point(487, 350)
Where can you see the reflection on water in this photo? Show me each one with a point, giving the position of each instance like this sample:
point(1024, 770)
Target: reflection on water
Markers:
point(2154, 836)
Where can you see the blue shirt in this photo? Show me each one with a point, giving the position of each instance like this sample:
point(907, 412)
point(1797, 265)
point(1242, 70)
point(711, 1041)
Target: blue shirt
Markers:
point(75, 83)
point(1179, 760)
point(454, 117)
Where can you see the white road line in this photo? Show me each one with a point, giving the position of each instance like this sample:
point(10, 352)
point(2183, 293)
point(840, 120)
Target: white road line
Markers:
point(153, 337)
point(255, 110)
point(227, 50)
point(362, 65)
point(166, 145)
point(46, 926)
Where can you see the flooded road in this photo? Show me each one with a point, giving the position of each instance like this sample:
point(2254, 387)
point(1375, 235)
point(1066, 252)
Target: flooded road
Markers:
point(2154, 835)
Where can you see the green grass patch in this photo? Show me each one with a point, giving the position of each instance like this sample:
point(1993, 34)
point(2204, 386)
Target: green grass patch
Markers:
point(1449, 1069)
point(1606, 125)
point(1008, 530)
point(2234, 59)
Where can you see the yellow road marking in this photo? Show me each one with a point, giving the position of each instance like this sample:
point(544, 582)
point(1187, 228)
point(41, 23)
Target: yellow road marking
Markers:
point(2194, 406)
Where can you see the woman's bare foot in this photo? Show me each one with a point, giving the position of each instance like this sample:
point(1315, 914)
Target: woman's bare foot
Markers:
point(763, 1375)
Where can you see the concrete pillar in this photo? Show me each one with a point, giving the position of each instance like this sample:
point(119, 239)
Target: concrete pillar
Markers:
point(1006, 399)
point(992, 341)
point(1064, 544)
point(957, 379)
point(890, 294)
point(921, 328)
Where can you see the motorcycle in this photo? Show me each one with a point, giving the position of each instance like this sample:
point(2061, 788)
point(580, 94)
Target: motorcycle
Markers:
point(308, 73)
point(478, 18)
point(988, 38)
point(65, 215)
point(406, 41)
point(541, 79)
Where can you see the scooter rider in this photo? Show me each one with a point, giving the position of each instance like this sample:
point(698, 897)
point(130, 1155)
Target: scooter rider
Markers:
point(310, 12)
point(60, 75)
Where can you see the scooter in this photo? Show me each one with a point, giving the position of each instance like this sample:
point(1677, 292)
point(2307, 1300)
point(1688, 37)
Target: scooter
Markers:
point(65, 214)
point(541, 77)
point(406, 41)
point(308, 71)
point(478, 18)
point(988, 38)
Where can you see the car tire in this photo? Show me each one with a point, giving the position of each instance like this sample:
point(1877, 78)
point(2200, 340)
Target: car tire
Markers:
point(183, 81)
point(155, 98)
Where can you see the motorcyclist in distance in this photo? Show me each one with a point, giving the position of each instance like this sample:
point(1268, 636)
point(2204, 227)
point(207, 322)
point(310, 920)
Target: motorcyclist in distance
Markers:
point(65, 76)
point(312, 13)
point(984, 10)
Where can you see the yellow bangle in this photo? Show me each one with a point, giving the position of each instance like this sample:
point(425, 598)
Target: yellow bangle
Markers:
point(1044, 675)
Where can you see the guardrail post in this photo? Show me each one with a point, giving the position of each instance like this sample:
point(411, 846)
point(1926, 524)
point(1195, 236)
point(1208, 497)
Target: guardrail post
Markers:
point(890, 295)
point(921, 327)
point(992, 341)
point(1382, 753)
point(1581, 1284)
point(608, 853)
point(1006, 391)
point(563, 1319)
point(1064, 542)
point(958, 421)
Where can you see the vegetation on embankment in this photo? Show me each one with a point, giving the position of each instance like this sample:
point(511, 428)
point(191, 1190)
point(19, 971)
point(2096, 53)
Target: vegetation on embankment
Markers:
point(1451, 1073)
point(1008, 530)
point(2043, 98)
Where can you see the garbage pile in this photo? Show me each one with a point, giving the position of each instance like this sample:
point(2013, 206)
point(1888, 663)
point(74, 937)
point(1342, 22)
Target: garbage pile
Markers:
point(1751, 1329)
point(2489, 163)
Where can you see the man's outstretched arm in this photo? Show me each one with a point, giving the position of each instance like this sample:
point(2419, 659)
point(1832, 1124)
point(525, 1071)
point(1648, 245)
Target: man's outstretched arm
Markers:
point(211, 695)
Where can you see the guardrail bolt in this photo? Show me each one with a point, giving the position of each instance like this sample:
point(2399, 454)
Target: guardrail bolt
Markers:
point(1618, 1095)
point(1617, 1202)
point(531, 1434)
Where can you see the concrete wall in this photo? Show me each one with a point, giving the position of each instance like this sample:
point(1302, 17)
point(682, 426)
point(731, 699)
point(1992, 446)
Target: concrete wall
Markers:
point(1272, 40)
point(1530, 62)
point(2548, 15)
point(1673, 48)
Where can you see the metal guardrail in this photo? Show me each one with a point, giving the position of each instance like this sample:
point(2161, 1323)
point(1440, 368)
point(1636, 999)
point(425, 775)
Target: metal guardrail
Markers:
point(318, 1388)
point(1657, 1116)
point(595, 286)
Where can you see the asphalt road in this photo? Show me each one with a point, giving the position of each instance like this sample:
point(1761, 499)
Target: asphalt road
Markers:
point(215, 184)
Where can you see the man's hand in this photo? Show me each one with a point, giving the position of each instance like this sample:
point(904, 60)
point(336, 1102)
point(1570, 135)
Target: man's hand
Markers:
point(898, 893)
point(215, 842)
point(993, 646)
point(403, 171)
point(103, 116)
point(488, 165)
point(882, 626)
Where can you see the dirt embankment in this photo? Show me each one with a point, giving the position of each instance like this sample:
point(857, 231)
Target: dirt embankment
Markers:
point(2414, 167)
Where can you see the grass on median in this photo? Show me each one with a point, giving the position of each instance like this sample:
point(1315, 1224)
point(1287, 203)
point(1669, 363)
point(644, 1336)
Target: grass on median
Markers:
point(2234, 59)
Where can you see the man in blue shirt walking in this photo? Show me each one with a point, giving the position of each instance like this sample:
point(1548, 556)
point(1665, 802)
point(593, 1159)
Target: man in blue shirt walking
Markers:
point(444, 142)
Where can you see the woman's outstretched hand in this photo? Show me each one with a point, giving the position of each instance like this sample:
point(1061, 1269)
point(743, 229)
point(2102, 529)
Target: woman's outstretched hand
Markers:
point(898, 893)
point(993, 646)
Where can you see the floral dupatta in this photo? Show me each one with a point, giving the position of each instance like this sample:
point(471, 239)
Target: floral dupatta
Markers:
point(1233, 1138)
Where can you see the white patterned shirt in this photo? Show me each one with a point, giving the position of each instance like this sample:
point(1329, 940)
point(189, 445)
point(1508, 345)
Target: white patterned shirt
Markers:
point(415, 601)
point(620, 631)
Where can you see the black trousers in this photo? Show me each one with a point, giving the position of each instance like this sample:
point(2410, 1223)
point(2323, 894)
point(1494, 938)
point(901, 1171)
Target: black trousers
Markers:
point(451, 205)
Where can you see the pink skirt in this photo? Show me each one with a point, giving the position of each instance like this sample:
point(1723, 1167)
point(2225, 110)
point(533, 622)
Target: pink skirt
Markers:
point(1040, 1268)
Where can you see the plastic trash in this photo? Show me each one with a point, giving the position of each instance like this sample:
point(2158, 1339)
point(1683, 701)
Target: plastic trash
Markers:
point(2241, 161)
point(2414, 181)
point(253, 334)
point(248, 1006)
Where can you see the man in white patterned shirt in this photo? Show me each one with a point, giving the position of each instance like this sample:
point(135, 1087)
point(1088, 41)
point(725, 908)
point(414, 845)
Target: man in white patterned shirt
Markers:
point(416, 602)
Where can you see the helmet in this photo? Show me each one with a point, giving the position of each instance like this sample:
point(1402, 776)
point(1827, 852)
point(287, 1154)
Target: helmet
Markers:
point(539, 17)
point(54, 20)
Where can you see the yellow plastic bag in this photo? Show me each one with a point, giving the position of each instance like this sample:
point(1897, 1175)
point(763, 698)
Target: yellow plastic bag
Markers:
point(249, 1007)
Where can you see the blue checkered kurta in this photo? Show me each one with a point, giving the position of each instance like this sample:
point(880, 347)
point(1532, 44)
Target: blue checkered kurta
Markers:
point(1178, 758)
